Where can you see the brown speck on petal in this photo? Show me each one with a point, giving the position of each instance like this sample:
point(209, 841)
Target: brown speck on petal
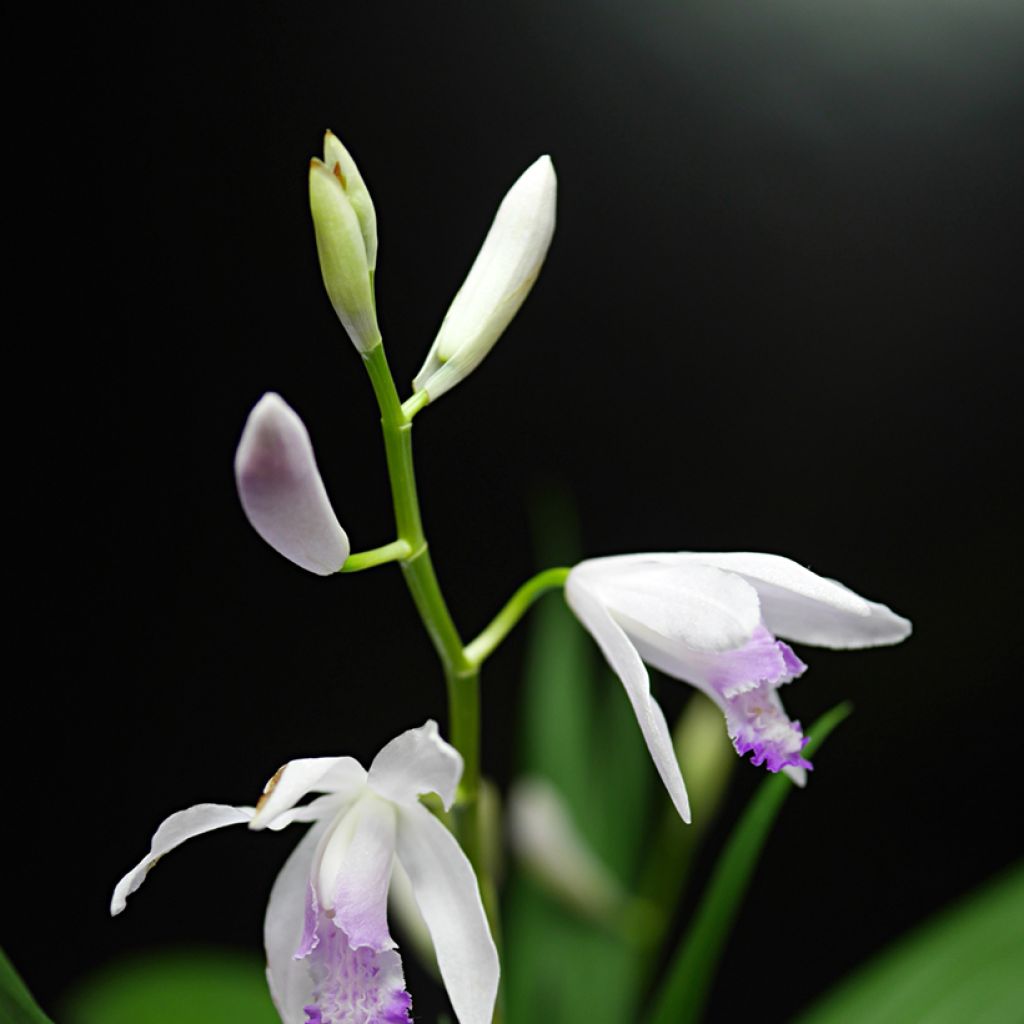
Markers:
point(340, 176)
point(270, 787)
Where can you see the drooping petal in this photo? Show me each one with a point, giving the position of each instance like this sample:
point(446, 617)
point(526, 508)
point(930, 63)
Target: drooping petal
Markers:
point(343, 776)
point(698, 605)
point(182, 825)
point(416, 762)
point(498, 282)
point(811, 609)
point(281, 491)
point(355, 870)
point(291, 985)
point(625, 662)
point(448, 898)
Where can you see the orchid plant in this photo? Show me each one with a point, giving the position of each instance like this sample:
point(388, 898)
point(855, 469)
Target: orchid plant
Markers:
point(414, 820)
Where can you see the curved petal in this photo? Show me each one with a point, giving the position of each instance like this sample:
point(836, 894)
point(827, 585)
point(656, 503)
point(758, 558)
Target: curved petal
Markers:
point(798, 604)
point(501, 277)
point(416, 762)
point(355, 870)
point(448, 897)
point(625, 661)
point(292, 781)
point(291, 985)
point(173, 831)
point(701, 606)
point(281, 491)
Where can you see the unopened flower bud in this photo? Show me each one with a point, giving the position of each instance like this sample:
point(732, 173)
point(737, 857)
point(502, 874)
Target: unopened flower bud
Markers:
point(346, 240)
point(281, 490)
point(499, 280)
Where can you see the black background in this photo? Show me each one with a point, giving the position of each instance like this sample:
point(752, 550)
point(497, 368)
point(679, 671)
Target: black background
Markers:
point(779, 314)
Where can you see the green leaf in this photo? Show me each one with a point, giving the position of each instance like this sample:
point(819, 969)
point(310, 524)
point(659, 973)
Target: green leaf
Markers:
point(16, 1003)
point(200, 986)
point(966, 964)
point(691, 971)
point(579, 733)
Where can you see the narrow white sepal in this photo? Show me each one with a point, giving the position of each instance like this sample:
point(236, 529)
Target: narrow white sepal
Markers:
point(281, 491)
point(173, 831)
point(342, 776)
point(624, 660)
point(498, 282)
point(448, 897)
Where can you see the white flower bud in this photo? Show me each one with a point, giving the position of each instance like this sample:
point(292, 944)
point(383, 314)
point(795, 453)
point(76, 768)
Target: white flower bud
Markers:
point(281, 490)
point(346, 240)
point(499, 280)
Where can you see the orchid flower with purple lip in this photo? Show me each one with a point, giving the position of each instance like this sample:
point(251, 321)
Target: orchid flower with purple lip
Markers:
point(712, 621)
point(330, 956)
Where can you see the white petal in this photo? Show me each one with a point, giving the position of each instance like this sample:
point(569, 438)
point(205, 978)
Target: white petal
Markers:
point(291, 985)
point(499, 280)
point(625, 661)
point(355, 870)
point(281, 490)
point(343, 776)
point(416, 762)
point(182, 825)
point(800, 605)
point(703, 607)
point(449, 899)
point(546, 839)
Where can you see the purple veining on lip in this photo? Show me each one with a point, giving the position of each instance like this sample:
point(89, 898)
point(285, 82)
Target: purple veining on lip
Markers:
point(354, 986)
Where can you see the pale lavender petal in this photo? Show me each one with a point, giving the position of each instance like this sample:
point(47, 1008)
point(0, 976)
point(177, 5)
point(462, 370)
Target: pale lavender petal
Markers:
point(354, 986)
point(355, 870)
point(625, 661)
point(281, 490)
point(448, 897)
point(286, 929)
point(342, 776)
point(180, 826)
point(416, 762)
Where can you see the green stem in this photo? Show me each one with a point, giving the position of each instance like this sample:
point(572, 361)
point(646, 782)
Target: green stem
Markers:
point(461, 676)
point(518, 604)
point(360, 560)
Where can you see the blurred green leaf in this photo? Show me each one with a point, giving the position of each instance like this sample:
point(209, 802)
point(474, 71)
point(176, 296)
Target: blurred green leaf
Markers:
point(579, 733)
point(16, 1003)
point(691, 971)
point(966, 964)
point(200, 986)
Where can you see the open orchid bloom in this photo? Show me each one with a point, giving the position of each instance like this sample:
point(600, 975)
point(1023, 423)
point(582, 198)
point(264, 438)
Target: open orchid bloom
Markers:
point(281, 491)
point(712, 621)
point(330, 956)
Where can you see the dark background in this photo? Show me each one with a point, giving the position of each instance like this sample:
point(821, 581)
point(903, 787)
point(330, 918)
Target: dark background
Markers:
point(779, 314)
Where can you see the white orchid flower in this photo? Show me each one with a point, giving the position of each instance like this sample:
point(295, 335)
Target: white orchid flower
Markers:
point(501, 277)
point(281, 491)
point(711, 620)
point(330, 957)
